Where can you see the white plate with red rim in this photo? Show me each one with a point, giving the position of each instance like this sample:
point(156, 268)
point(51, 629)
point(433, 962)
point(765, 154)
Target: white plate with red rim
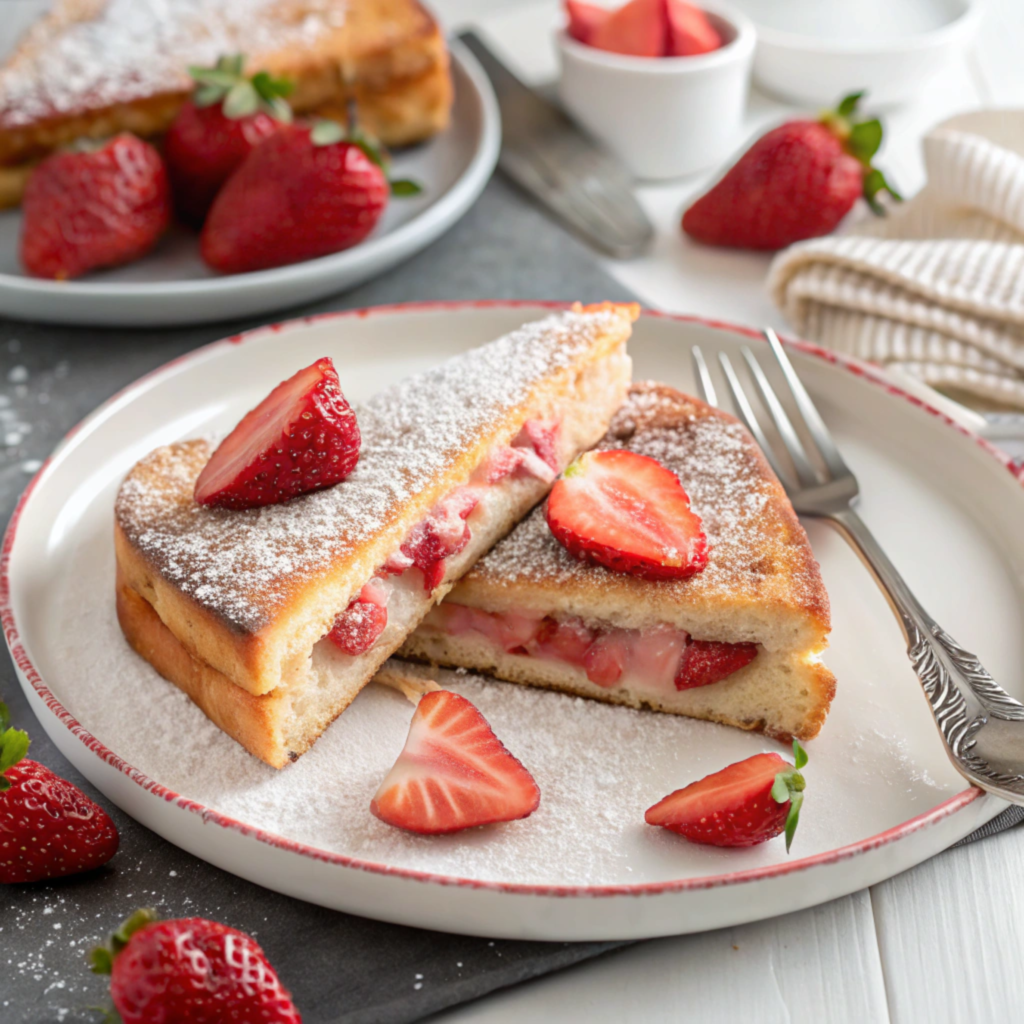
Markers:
point(881, 794)
point(172, 285)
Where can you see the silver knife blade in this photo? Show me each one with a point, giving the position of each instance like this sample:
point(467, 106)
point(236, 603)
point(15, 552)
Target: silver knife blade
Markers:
point(548, 156)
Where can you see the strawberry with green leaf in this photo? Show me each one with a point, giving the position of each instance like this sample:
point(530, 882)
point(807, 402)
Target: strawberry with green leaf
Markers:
point(746, 803)
point(190, 971)
point(228, 114)
point(307, 191)
point(798, 181)
point(48, 827)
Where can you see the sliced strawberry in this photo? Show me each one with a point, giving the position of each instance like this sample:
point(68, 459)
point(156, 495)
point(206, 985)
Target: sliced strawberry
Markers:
point(444, 532)
point(453, 773)
point(628, 513)
point(542, 437)
point(690, 31)
point(708, 661)
point(302, 437)
point(640, 29)
point(502, 463)
point(742, 805)
point(358, 627)
point(584, 19)
point(568, 640)
point(606, 658)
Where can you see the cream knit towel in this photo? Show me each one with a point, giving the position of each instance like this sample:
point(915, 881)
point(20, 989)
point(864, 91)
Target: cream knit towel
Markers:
point(937, 287)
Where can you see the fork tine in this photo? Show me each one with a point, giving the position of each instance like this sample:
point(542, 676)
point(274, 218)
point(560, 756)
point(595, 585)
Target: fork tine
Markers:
point(704, 381)
point(746, 411)
point(815, 424)
point(806, 473)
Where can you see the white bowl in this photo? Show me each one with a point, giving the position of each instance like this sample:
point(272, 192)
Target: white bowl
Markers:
point(662, 116)
point(826, 54)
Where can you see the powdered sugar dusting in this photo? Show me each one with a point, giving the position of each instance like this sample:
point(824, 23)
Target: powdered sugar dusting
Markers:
point(744, 512)
point(89, 54)
point(244, 565)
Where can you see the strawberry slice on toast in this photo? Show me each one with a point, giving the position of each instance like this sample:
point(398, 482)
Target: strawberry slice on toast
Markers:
point(628, 513)
point(302, 437)
point(453, 773)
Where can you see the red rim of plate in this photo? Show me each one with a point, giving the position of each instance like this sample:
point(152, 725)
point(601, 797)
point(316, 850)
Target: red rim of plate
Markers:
point(941, 811)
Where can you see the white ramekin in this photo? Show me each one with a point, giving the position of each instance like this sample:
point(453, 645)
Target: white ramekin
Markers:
point(662, 116)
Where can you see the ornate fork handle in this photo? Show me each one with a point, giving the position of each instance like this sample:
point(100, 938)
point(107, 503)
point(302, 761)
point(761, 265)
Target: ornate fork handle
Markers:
point(964, 698)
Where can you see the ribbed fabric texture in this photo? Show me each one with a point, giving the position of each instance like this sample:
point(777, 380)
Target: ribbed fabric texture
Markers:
point(937, 287)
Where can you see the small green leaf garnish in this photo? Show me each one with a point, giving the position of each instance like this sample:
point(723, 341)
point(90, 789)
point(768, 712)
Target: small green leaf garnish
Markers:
point(788, 787)
point(864, 140)
point(239, 96)
point(861, 140)
point(848, 104)
point(241, 100)
point(404, 187)
point(14, 744)
point(799, 755)
point(101, 958)
point(575, 468)
point(327, 133)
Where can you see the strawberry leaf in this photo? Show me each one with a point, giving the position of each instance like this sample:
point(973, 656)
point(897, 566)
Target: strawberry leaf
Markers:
point(864, 140)
point(14, 744)
point(799, 755)
point(874, 183)
point(101, 958)
point(793, 818)
point(327, 133)
point(207, 95)
point(403, 187)
point(242, 100)
point(231, 63)
point(848, 104)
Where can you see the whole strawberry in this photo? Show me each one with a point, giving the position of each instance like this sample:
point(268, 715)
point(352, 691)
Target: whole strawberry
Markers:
point(302, 193)
point(92, 207)
point(48, 827)
point(796, 182)
point(217, 129)
point(190, 971)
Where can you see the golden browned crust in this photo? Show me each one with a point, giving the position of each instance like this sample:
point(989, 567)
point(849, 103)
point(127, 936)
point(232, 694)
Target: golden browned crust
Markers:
point(254, 721)
point(250, 593)
point(389, 56)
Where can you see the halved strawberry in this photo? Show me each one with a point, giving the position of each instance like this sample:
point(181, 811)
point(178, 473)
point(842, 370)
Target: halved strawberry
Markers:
point(629, 513)
point(302, 437)
point(708, 661)
point(640, 29)
point(453, 773)
point(584, 19)
point(742, 805)
point(690, 31)
point(357, 628)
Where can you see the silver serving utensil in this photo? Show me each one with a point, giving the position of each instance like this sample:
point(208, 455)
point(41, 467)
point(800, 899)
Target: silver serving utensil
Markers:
point(980, 723)
point(548, 156)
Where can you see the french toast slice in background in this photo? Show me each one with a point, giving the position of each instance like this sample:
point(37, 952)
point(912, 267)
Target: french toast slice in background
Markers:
point(92, 68)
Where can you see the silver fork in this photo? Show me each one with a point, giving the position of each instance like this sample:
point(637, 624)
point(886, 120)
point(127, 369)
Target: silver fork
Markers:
point(980, 723)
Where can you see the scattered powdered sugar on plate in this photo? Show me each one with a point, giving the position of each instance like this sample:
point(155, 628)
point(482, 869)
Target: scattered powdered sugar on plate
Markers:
point(598, 766)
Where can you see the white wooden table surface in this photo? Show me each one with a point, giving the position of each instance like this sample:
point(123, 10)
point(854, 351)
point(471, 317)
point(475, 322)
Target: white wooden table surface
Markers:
point(941, 943)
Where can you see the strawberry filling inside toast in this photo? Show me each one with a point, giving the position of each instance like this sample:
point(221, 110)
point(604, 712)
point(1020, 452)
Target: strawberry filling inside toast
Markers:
point(444, 532)
point(656, 660)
